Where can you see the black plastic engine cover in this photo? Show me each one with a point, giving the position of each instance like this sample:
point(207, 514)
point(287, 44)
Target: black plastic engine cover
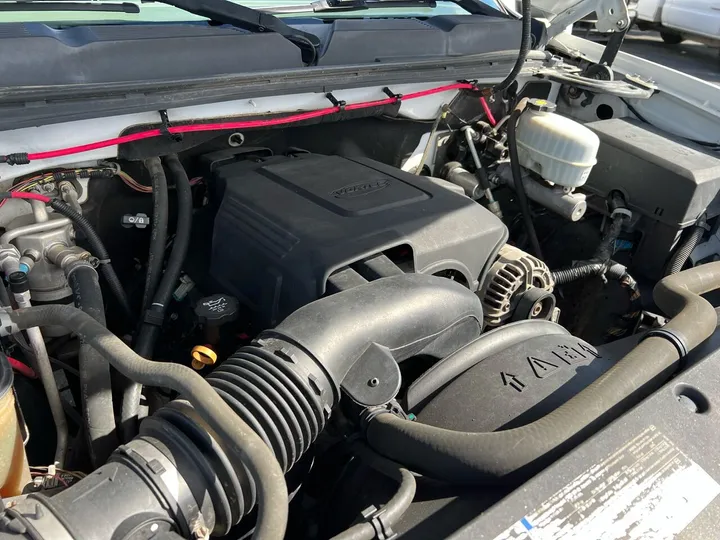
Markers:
point(518, 385)
point(285, 224)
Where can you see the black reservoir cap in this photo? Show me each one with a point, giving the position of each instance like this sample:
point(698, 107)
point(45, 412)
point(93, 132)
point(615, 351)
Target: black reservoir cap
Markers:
point(217, 309)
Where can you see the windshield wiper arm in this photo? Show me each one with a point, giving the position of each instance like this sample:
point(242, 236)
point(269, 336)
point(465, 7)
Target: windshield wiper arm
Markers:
point(330, 6)
point(226, 12)
point(43, 5)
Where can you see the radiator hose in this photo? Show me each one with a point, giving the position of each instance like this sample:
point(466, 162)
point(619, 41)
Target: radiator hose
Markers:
point(201, 462)
point(95, 386)
point(487, 458)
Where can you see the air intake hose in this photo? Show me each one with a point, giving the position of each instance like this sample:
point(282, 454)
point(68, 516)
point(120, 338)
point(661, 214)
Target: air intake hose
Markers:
point(485, 458)
point(194, 467)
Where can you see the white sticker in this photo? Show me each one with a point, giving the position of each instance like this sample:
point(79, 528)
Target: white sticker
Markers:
point(648, 489)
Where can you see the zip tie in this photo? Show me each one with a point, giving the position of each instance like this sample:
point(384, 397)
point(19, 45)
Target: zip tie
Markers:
point(336, 103)
point(389, 93)
point(166, 125)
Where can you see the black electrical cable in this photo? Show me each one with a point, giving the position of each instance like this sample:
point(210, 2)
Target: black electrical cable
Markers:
point(682, 253)
point(158, 233)
point(155, 313)
point(99, 251)
point(614, 271)
point(525, 44)
point(517, 178)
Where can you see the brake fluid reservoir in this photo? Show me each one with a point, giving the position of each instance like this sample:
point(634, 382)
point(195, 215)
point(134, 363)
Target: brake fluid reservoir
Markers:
point(14, 471)
point(559, 149)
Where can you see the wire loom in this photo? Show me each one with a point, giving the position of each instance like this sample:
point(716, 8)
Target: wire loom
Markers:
point(22, 158)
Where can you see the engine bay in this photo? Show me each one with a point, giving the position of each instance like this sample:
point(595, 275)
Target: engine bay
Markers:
point(346, 324)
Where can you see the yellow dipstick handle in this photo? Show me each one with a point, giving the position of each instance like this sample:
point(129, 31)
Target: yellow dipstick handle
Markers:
point(202, 356)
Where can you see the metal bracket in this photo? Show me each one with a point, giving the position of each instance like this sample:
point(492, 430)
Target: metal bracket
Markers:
point(7, 326)
point(612, 15)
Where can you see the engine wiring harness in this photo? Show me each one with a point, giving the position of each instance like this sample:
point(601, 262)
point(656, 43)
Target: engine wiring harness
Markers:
point(22, 158)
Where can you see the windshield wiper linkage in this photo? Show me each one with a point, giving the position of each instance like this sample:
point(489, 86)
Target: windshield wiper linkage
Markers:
point(226, 12)
point(44, 5)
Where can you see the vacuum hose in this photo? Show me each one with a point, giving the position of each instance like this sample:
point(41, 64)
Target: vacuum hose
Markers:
point(481, 458)
point(159, 295)
point(158, 232)
point(518, 180)
point(202, 461)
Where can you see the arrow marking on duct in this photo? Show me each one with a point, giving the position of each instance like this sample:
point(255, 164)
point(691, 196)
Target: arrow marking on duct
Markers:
point(508, 379)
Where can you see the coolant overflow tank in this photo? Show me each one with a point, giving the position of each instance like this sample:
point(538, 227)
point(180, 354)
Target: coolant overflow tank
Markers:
point(557, 148)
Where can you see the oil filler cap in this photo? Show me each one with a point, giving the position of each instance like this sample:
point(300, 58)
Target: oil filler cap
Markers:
point(541, 105)
point(217, 309)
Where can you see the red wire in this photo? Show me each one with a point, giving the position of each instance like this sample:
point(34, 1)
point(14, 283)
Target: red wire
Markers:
point(243, 124)
point(25, 195)
point(21, 368)
point(488, 112)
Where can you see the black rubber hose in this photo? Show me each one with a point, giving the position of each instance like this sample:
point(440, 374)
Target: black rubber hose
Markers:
point(149, 331)
point(682, 253)
point(525, 44)
point(390, 513)
point(517, 178)
point(181, 244)
point(446, 370)
point(478, 458)
point(99, 251)
point(243, 444)
point(158, 233)
point(95, 385)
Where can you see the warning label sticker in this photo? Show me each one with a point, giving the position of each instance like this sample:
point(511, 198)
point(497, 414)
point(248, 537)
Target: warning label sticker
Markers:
point(648, 489)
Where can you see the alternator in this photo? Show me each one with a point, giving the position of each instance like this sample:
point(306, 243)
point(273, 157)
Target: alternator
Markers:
point(518, 286)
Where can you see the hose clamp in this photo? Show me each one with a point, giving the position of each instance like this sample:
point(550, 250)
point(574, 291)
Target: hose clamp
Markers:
point(376, 518)
point(370, 413)
point(673, 336)
point(621, 211)
point(77, 264)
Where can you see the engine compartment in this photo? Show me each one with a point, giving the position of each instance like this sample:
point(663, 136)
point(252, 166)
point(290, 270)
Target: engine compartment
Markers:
point(367, 326)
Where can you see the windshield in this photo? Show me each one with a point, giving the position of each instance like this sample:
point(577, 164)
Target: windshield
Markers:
point(157, 12)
